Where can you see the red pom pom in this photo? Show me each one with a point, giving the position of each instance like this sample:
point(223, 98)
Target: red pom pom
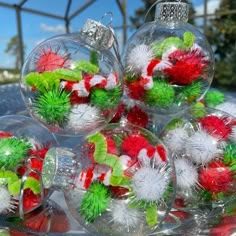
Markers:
point(187, 67)
point(215, 126)
point(5, 134)
point(39, 151)
point(50, 61)
point(132, 145)
point(137, 116)
point(136, 89)
point(216, 177)
point(30, 200)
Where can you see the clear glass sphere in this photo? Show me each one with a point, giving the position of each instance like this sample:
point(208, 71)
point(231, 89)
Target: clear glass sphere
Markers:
point(70, 86)
point(120, 182)
point(202, 143)
point(168, 63)
point(23, 145)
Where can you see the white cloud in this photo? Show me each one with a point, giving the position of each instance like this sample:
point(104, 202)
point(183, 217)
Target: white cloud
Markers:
point(212, 5)
point(58, 29)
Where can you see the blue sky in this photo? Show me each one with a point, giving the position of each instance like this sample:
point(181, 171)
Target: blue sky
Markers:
point(37, 28)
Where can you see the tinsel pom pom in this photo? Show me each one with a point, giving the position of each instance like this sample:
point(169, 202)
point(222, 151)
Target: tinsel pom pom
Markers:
point(6, 202)
point(188, 66)
point(150, 184)
point(124, 216)
point(83, 116)
point(94, 202)
point(137, 116)
point(186, 174)
point(49, 61)
point(216, 177)
point(135, 89)
point(13, 151)
point(105, 98)
point(162, 94)
point(138, 58)
point(53, 107)
point(214, 98)
point(132, 145)
point(202, 147)
point(175, 139)
point(216, 126)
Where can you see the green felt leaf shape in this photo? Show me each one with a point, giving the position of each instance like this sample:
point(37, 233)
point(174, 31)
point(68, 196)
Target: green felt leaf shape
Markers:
point(87, 67)
point(189, 39)
point(151, 215)
point(30, 183)
point(7, 176)
point(101, 157)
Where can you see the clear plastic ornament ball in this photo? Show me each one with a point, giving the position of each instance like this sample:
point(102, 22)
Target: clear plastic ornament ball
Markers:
point(169, 64)
point(202, 143)
point(72, 83)
point(23, 146)
point(119, 181)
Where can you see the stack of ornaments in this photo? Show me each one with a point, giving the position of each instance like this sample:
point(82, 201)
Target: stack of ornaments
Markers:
point(120, 179)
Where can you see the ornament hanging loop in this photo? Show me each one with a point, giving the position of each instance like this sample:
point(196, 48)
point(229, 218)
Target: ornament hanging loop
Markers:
point(103, 17)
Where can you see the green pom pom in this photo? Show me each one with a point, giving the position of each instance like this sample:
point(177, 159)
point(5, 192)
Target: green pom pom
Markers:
point(190, 92)
point(161, 94)
point(106, 98)
point(66, 74)
point(12, 151)
point(198, 110)
point(229, 156)
point(189, 39)
point(174, 123)
point(94, 58)
point(95, 201)
point(214, 98)
point(30, 183)
point(53, 106)
point(87, 67)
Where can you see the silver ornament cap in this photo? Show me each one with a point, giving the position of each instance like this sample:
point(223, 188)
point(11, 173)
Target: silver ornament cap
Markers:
point(170, 11)
point(59, 168)
point(97, 35)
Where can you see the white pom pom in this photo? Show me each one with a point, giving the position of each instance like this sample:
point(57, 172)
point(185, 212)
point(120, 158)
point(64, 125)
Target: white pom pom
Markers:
point(228, 107)
point(233, 134)
point(139, 58)
point(83, 117)
point(202, 147)
point(124, 216)
point(175, 139)
point(6, 201)
point(150, 184)
point(186, 174)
